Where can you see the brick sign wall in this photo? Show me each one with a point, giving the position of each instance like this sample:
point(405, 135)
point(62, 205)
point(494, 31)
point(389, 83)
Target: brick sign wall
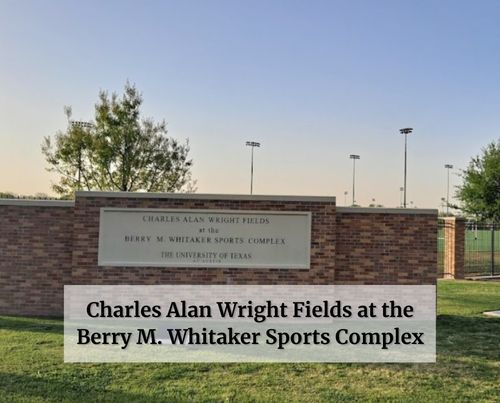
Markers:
point(44, 245)
point(35, 256)
point(388, 247)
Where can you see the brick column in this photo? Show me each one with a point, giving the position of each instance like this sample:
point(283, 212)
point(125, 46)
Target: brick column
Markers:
point(454, 247)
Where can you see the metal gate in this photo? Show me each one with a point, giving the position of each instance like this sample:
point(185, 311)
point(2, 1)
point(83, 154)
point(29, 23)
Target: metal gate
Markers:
point(482, 249)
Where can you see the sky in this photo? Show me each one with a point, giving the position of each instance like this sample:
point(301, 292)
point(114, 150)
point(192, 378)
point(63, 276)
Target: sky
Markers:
point(312, 81)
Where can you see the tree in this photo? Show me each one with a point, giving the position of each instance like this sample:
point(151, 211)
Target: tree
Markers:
point(120, 150)
point(479, 193)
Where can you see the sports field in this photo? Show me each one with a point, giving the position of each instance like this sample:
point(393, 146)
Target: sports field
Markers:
point(467, 368)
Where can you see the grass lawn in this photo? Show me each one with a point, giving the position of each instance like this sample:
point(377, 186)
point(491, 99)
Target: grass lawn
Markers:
point(468, 366)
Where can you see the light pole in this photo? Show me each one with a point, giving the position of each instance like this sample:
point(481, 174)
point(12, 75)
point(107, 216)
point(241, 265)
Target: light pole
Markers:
point(345, 197)
point(406, 131)
point(83, 125)
point(354, 157)
point(252, 144)
point(401, 189)
point(448, 167)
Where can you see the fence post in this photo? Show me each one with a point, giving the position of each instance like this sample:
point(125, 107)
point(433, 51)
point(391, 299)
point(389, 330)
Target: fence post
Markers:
point(492, 249)
point(454, 247)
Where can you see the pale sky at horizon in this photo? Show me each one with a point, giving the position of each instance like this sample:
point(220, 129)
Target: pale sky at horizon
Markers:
point(312, 81)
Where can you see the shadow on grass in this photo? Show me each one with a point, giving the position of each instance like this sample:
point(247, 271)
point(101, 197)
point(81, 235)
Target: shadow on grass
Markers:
point(472, 336)
point(26, 324)
point(468, 336)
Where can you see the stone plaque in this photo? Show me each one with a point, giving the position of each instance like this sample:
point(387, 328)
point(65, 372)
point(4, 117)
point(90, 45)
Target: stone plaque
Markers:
point(204, 238)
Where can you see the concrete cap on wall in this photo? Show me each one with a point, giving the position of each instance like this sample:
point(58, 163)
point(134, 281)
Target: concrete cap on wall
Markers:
point(36, 203)
point(384, 210)
point(207, 196)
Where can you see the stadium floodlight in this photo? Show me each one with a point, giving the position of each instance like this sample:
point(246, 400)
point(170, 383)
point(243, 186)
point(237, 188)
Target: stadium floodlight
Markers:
point(406, 131)
point(354, 157)
point(252, 144)
point(448, 167)
point(83, 124)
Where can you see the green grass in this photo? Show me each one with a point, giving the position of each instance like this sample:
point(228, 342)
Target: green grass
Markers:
point(467, 369)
